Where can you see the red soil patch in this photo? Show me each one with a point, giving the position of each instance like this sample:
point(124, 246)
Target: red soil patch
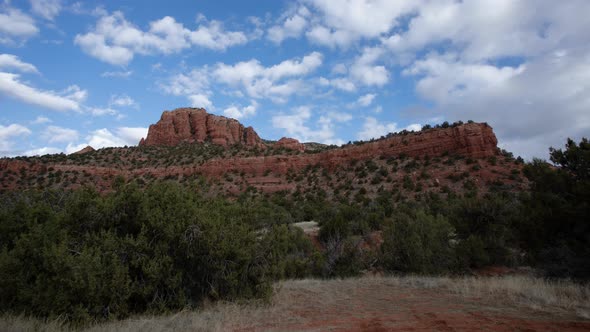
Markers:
point(382, 307)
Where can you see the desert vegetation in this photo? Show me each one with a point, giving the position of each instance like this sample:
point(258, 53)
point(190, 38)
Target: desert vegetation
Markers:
point(82, 257)
point(309, 303)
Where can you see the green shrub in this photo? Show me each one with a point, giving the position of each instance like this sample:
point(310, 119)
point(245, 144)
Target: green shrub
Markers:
point(419, 243)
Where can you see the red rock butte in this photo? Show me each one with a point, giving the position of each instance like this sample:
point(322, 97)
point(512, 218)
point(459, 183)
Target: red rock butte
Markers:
point(192, 125)
point(189, 125)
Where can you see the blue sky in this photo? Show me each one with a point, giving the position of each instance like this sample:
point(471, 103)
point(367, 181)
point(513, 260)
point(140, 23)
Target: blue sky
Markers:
point(100, 72)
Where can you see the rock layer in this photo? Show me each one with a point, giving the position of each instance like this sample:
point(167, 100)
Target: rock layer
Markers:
point(190, 125)
point(475, 140)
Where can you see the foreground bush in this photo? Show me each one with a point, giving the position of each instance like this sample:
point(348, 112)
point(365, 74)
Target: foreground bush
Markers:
point(85, 256)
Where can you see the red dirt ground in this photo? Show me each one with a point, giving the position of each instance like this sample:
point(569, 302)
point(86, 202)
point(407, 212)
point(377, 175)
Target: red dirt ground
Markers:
point(371, 307)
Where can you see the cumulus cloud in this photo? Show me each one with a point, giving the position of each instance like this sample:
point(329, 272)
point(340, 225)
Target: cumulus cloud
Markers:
point(15, 26)
point(55, 134)
point(365, 71)
point(131, 135)
point(340, 23)
point(297, 125)
point(200, 100)
point(123, 101)
point(116, 41)
point(47, 9)
point(516, 28)
point(10, 61)
point(275, 82)
point(372, 128)
point(9, 132)
point(292, 25)
point(241, 112)
point(193, 85)
point(102, 138)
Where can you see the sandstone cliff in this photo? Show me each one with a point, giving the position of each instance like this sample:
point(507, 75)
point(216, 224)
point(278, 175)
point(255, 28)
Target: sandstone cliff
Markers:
point(475, 140)
point(196, 125)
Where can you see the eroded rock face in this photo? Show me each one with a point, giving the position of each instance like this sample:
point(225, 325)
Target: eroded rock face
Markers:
point(475, 140)
point(290, 143)
point(196, 125)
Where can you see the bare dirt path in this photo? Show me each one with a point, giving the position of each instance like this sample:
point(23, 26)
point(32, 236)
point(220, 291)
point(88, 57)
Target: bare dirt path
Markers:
point(379, 305)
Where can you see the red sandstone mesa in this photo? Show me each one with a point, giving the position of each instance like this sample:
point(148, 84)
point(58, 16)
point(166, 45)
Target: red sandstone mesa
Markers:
point(196, 125)
point(474, 140)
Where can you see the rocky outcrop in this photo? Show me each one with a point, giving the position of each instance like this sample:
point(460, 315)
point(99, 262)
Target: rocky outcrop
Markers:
point(191, 125)
point(85, 150)
point(290, 144)
point(473, 140)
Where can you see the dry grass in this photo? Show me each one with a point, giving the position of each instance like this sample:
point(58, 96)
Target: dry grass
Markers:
point(550, 296)
point(294, 300)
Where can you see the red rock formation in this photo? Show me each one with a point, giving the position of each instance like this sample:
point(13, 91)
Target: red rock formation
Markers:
point(290, 143)
point(85, 150)
point(469, 140)
point(196, 125)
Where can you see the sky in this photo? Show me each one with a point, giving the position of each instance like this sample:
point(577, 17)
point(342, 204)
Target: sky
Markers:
point(78, 73)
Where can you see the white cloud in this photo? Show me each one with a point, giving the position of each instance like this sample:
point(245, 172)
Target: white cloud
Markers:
point(116, 41)
point(102, 138)
point(215, 37)
point(15, 24)
point(9, 61)
point(343, 22)
point(42, 151)
point(55, 134)
point(366, 100)
point(101, 111)
point(194, 86)
point(241, 112)
point(9, 132)
point(69, 100)
point(365, 71)
point(340, 83)
point(295, 125)
point(293, 25)
point(372, 128)
point(200, 100)
point(41, 120)
point(445, 78)
point(121, 74)
point(516, 28)
point(259, 81)
point(47, 9)
point(131, 136)
point(123, 101)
